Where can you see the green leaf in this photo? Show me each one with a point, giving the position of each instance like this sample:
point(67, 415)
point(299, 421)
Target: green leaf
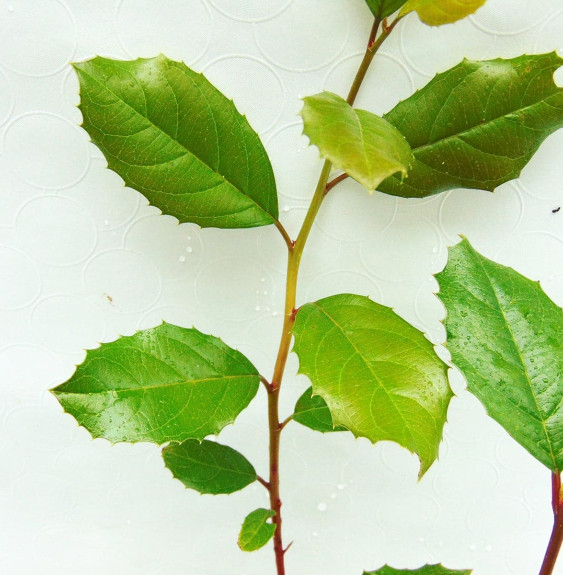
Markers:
point(506, 336)
point(379, 376)
point(438, 12)
point(256, 531)
point(175, 138)
point(162, 384)
point(365, 146)
point(477, 125)
point(312, 411)
point(384, 8)
point(426, 570)
point(208, 467)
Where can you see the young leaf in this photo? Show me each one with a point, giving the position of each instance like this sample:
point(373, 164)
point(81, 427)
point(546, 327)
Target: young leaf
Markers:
point(438, 12)
point(162, 384)
point(379, 376)
point(175, 138)
point(506, 336)
point(426, 570)
point(384, 8)
point(256, 531)
point(477, 125)
point(365, 146)
point(312, 411)
point(208, 467)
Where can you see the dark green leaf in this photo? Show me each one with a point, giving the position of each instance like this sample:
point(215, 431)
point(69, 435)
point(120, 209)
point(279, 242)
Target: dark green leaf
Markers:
point(426, 570)
point(384, 8)
point(312, 411)
point(256, 531)
point(208, 467)
point(438, 12)
point(506, 336)
point(365, 146)
point(477, 125)
point(162, 384)
point(176, 139)
point(379, 376)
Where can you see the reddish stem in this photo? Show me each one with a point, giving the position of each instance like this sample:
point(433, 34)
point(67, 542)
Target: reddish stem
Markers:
point(556, 538)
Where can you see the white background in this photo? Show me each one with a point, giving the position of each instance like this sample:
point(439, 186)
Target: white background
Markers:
point(84, 259)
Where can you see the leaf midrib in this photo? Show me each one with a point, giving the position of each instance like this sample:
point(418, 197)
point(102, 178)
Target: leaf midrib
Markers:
point(187, 152)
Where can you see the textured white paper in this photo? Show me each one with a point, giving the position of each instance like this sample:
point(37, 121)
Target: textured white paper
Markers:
point(83, 259)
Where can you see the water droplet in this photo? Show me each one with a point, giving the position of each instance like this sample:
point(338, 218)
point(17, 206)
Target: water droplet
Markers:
point(341, 486)
point(265, 292)
point(473, 547)
point(106, 222)
point(274, 313)
point(314, 534)
point(488, 548)
point(262, 280)
point(333, 495)
point(286, 208)
point(189, 249)
point(257, 308)
point(434, 250)
point(182, 259)
point(322, 506)
point(11, 8)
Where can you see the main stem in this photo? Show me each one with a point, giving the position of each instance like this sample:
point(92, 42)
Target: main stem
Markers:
point(295, 252)
point(556, 539)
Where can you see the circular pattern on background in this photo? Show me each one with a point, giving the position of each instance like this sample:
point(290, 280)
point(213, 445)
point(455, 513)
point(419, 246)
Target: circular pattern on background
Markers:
point(294, 162)
point(65, 322)
point(37, 38)
point(433, 56)
point(46, 150)
point(123, 280)
point(27, 371)
point(495, 19)
point(548, 32)
point(223, 281)
point(174, 249)
point(480, 215)
point(409, 247)
point(253, 85)
point(7, 99)
point(251, 10)
point(498, 515)
point(351, 214)
point(313, 33)
point(146, 28)
point(56, 230)
point(20, 282)
point(399, 83)
point(343, 281)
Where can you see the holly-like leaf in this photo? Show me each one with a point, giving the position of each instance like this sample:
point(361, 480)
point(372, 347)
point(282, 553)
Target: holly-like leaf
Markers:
point(175, 138)
point(439, 12)
point(365, 146)
point(256, 531)
point(379, 376)
point(477, 125)
point(506, 336)
point(163, 384)
point(426, 570)
point(208, 467)
point(384, 8)
point(313, 412)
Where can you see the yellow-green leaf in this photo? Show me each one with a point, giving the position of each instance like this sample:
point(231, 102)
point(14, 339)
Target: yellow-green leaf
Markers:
point(438, 12)
point(365, 146)
point(379, 376)
point(256, 530)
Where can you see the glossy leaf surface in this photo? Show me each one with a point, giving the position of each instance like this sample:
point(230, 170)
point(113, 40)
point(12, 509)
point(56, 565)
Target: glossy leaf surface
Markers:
point(384, 8)
point(208, 467)
point(312, 411)
point(365, 146)
point(162, 384)
point(438, 12)
point(176, 139)
point(477, 125)
point(256, 530)
point(426, 570)
point(506, 336)
point(379, 376)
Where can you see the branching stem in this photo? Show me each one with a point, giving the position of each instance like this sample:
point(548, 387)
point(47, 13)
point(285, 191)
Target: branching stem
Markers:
point(295, 252)
point(556, 539)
